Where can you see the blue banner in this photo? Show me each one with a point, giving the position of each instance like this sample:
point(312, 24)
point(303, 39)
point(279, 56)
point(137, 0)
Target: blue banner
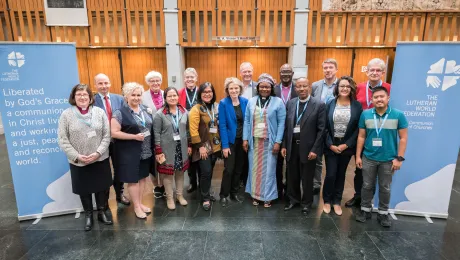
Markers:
point(36, 80)
point(426, 86)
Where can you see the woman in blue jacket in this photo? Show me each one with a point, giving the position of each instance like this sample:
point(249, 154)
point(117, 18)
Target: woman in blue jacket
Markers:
point(231, 119)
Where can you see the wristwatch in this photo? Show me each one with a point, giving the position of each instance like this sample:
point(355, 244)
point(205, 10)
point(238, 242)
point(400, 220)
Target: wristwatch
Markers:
point(400, 158)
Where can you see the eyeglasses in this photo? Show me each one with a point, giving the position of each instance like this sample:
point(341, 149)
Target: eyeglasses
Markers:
point(81, 95)
point(375, 71)
point(344, 86)
point(207, 92)
point(155, 81)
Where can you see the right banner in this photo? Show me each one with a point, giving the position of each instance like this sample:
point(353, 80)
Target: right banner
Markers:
point(426, 86)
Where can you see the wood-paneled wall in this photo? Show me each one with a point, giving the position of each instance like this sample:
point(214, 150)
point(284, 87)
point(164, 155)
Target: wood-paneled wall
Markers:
point(138, 62)
point(215, 65)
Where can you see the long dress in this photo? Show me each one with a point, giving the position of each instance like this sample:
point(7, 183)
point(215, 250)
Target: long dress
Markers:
point(262, 163)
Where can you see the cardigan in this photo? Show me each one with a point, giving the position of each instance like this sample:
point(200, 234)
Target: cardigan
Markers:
point(199, 122)
point(227, 120)
point(73, 133)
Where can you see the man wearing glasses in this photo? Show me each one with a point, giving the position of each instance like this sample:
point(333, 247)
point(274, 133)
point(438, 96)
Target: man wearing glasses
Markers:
point(376, 69)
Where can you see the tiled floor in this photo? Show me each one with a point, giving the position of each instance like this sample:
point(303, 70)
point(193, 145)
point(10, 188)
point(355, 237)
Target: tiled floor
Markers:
point(240, 231)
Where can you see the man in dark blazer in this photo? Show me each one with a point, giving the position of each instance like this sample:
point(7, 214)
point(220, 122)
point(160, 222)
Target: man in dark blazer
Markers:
point(286, 91)
point(110, 103)
point(302, 143)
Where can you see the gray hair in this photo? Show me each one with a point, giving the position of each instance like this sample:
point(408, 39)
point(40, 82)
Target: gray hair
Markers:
point(377, 62)
point(191, 70)
point(129, 87)
point(332, 61)
point(233, 80)
point(153, 74)
point(246, 64)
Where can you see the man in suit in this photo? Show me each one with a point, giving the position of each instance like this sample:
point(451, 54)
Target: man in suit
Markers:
point(249, 86)
point(323, 89)
point(286, 91)
point(109, 103)
point(302, 142)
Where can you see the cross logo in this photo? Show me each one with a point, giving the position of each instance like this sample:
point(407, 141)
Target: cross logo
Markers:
point(16, 59)
point(443, 74)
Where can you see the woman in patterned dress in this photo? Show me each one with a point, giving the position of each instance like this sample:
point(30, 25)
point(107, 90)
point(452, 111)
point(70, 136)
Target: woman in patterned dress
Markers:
point(262, 136)
point(171, 127)
point(343, 114)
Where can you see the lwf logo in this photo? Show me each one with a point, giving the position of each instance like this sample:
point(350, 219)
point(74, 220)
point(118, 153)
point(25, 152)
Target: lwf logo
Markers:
point(443, 74)
point(16, 59)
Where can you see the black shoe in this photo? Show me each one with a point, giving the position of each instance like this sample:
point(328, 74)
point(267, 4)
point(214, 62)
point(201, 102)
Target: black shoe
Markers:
point(362, 216)
point(88, 220)
point(384, 220)
point(103, 218)
point(211, 198)
point(236, 198)
point(306, 210)
point(290, 206)
point(224, 202)
point(158, 193)
point(316, 191)
point(207, 206)
point(242, 184)
point(355, 201)
point(191, 188)
point(123, 200)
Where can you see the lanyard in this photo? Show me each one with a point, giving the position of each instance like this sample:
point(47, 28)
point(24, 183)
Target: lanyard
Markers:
point(142, 119)
point(176, 119)
point(369, 102)
point(211, 117)
point(379, 130)
point(81, 118)
point(262, 110)
point(288, 96)
point(297, 111)
point(188, 98)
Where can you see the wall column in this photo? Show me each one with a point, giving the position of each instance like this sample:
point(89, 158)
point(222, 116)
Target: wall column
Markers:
point(174, 52)
point(298, 52)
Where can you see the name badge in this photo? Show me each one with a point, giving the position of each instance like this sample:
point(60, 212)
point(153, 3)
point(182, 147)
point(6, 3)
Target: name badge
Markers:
point(377, 142)
point(297, 129)
point(261, 125)
point(91, 134)
point(146, 133)
point(213, 130)
point(176, 137)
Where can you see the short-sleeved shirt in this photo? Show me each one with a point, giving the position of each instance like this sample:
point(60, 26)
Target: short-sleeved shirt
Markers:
point(146, 151)
point(389, 134)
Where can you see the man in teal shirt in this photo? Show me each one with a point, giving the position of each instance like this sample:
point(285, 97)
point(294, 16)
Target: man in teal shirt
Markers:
point(383, 154)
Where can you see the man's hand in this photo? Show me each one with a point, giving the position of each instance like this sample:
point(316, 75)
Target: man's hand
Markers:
point(312, 156)
point(396, 165)
point(359, 162)
point(283, 152)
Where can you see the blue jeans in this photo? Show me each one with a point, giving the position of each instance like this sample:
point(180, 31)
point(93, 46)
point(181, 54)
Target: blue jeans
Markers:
point(371, 171)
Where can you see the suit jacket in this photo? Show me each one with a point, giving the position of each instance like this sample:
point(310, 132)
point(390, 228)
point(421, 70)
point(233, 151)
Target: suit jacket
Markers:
point(317, 88)
point(148, 101)
point(116, 102)
point(351, 134)
point(227, 120)
point(278, 91)
point(312, 125)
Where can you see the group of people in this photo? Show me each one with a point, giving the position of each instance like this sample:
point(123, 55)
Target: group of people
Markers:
point(255, 129)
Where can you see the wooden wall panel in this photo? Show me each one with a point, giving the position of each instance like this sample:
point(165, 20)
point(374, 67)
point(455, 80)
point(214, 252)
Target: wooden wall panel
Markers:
point(363, 56)
point(213, 65)
point(138, 62)
point(263, 61)
point(104, 61)
point(316, 56)
point(83, 72)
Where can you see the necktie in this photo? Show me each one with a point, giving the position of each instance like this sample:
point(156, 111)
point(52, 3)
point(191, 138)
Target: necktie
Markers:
point(108, 108)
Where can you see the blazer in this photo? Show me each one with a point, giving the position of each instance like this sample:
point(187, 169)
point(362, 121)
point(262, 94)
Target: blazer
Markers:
point(351, 134)
point(293, 92)
point(254, 89)
point(276, 116)
point(312, 126)
point(317, 88)
point(116, 102)
point(148, 101)
point(227, 120)
point(199, 122)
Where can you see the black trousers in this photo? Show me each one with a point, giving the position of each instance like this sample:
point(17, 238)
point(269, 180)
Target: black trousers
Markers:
point(117, 184)
point(101, 201)
point(244, 174)
point(336, 167)
point(206, 169)
point(300, 174)
point(233, 167)
point(358, 182)
point(279, 175)
point(193, 172)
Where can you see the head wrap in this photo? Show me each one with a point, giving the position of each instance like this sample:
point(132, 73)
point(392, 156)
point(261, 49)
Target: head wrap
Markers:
point(265, 77)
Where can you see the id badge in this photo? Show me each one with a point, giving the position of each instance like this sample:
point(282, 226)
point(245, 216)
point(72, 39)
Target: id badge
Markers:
point(146, 133)
point(377, 142)
point(261, 125)
point(91, 134)
point(176, 137)
point(297, 129)
point(213, 130)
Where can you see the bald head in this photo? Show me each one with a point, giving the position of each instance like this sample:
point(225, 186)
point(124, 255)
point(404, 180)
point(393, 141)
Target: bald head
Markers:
point(303, 88)
point(286, 74)
point(102, 83)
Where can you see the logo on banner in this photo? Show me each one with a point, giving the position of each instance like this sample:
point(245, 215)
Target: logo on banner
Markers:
point(443, 74)
point(16, 59)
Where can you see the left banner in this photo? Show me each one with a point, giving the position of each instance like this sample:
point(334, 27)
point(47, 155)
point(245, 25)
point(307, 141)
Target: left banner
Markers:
point(36, 80)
